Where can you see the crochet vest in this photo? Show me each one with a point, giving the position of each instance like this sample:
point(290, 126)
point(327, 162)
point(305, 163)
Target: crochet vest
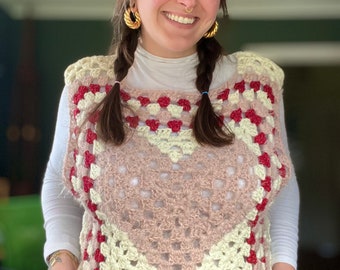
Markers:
point(161, 200)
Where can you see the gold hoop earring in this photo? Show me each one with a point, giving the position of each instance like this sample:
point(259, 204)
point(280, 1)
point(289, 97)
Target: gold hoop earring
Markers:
point(132, 19)
point(212, 31)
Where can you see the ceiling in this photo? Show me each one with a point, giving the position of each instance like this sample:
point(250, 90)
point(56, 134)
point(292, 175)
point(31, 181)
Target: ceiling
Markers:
point(238, 9)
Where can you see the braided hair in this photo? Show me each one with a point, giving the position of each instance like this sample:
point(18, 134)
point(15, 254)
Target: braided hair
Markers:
point(208, 128)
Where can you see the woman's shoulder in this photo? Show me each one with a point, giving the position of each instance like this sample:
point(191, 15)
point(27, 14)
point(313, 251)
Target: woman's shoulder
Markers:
point(251, 64)
point(90, 68)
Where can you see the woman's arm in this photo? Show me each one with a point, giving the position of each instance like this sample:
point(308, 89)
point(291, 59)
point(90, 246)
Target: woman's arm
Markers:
point(284, 217)
point(62, 214)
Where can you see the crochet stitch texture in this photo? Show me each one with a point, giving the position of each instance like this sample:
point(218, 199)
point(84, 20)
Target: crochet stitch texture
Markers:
point(162, 201)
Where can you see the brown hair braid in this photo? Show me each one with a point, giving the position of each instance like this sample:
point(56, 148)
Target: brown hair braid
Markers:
point(208, 128)
point(124, 44)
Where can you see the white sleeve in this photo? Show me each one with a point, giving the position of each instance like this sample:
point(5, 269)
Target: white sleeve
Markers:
point(284, 217)
point(62, 214)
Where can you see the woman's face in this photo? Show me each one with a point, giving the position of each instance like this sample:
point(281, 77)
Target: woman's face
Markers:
point(171, 28)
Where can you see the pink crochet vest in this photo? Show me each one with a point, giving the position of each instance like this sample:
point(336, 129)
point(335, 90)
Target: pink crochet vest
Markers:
point(162, 201)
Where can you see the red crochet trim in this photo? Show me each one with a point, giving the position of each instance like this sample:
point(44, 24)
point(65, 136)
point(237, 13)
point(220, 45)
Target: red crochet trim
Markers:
point(236, 115)
point(175, 125)
point(261, 206)
point(133, 121)
point(90, 136)
point(125, 96)
point(89, 159)
point(240, 86)
point(224, 94)
point(256, 85)
point(261, 138)
point(251, 240)
point(264, 159)
point(254, 118)
point(185, 104)
point(100, 237)
point(269, 92)
point(267, 184)
point(98, 256)
point(252, 259)
point(87, 183)
point(153, 124)
point(164, 102)
point(82, 90)
point(94, 88)
point(144, 101)
point(283, 171)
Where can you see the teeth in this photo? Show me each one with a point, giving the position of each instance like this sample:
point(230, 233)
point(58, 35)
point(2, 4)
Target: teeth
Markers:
point(180, 19)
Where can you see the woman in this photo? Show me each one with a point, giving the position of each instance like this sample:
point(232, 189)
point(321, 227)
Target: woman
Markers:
point(174, 156)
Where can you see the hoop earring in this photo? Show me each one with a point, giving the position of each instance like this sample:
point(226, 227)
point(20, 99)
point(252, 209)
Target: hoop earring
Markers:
point(212, 31)
point(132, 19)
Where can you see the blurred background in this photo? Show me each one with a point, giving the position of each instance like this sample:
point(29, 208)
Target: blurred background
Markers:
point(40, 38)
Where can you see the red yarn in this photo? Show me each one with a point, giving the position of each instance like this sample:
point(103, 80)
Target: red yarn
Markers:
point(125, 96)
point(98, 256)
point(86, 255)
point(144, 101)
point(82, 90)
point(224, 94)
point(269, 92)
point(89, 236)
point(252, 257)
point(100, 238)
point(108, 88)
point(133, 121)
point(88, 183)
point(260, 138)
point(75, 112)
point(94, 88)
point(164, 102)
point(240, 86)
point(72, 172)
point(92, 206)
point(175, 125)
point(89, 159)
point(185, 104)
point(251, 240)
point(267, 184)
point(283, 171)
point(264, 159)
point(236, 115)
point(90, 136)
point(261, 206)
point(153, 124)
point(254, 222)
point(254, 118)
point(256, 85)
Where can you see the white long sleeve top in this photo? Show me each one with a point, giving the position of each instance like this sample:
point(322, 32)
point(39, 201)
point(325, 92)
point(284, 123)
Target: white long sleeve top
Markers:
point(63, 215)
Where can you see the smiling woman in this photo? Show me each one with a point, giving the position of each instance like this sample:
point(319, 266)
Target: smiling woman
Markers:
point(169, 31)
point(170, 154)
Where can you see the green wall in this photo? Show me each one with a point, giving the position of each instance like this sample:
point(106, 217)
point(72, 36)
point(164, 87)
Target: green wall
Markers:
point(241, 32)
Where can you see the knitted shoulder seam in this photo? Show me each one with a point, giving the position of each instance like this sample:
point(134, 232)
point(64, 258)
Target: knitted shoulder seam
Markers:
point(90, 69)
point(250, 62)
